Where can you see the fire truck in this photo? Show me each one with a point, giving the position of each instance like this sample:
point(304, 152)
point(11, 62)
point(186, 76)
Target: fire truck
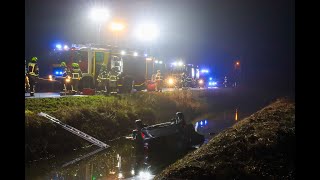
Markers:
point(91, 58)
point(182, 76)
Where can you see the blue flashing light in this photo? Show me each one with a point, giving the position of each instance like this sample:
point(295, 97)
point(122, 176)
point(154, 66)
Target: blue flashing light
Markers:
point(58, 46)
point(60, 72)
point(204, 71)
point(205, 122)
point(212, 83)
point(210, 78)
point(201, 123)
point(56, 72)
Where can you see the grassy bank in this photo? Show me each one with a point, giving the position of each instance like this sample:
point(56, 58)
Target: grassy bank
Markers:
point(261, 146)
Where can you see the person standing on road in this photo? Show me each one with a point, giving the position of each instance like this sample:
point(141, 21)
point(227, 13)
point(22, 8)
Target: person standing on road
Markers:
point(103, 78)
point(159, 83)
point(113, 77)
point(33, 74)
point(65, 69)
point(26, 79)
point(76, 76)
point(65, 84)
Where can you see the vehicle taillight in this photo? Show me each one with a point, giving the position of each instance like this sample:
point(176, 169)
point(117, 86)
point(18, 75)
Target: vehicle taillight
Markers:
point(142, 135)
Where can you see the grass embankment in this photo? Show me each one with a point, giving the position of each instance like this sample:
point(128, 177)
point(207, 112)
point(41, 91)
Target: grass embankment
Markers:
point(102, 117)
point(261, 146)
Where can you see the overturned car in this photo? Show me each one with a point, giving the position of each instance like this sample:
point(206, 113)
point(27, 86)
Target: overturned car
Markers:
point(174, 135)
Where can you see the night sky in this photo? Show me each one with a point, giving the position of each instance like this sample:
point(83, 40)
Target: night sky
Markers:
point(215, 33)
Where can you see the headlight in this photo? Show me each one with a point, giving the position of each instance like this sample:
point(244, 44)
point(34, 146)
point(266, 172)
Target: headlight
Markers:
point(200, 81)
point(170, 81)
point(120, 175)
point(50, 77)
point(145, 175)
point(68, 79)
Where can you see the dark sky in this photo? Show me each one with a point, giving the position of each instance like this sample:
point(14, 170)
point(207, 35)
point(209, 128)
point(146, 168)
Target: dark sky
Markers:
point(212, 32)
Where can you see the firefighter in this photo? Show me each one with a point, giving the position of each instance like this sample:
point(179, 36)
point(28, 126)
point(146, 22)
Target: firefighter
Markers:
point(26, 79)
point(113, 77)
point(184, 134)
point(225, 81)
point(103, 78)
point(76, 75)
point(159, 81)
point(184, 80)
point(65, 69)
point(139, 144)
point(33, 74)
point(65, 77)
point(180, 118)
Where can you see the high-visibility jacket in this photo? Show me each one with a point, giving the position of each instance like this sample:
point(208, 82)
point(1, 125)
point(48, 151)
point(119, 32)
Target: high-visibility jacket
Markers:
point(76, 73)
point(33, 69)
point(103, 75)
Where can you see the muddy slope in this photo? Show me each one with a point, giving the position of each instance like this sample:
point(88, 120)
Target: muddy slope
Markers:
point(261, 146)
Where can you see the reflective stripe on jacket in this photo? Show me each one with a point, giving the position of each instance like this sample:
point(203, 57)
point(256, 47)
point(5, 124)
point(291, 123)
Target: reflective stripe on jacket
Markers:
point(33, 69)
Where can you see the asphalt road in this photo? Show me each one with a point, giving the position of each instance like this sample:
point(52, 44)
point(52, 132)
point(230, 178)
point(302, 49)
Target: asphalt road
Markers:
point(47, 95)
point(57, 94)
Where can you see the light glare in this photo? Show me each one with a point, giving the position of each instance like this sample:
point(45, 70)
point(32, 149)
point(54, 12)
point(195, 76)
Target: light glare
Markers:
point(117, 26)
point(99, 14)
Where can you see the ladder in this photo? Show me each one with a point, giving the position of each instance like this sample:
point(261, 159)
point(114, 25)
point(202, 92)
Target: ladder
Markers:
point(75, 131)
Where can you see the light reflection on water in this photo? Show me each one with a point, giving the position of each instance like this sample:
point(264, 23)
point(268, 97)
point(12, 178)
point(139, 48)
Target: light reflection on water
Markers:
point(120, 161)
point(214, 123)
point(106, 164)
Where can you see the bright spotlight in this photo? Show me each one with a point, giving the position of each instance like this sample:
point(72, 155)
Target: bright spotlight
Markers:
point(156, 61)
point(135, 54)
point(180, 63)
point(99, 14)
point(122, 52)
point(160, 62)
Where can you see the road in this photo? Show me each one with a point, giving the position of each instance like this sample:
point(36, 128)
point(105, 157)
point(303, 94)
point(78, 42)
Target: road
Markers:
point(57, 94)
point(48, 95)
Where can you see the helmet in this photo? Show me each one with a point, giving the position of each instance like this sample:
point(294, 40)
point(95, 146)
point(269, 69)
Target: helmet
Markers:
point(75, 65)
point(63, 64)
point(34, 59)
point(180, 115)
point(138, 123)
